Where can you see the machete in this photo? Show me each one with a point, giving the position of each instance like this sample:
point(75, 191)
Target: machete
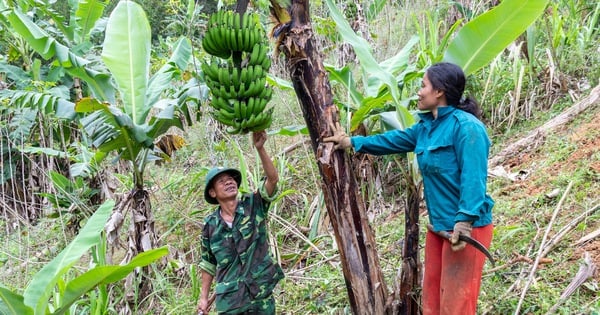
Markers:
point(469, 240)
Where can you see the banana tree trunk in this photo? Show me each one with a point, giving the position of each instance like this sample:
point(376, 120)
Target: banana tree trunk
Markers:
point(367, 291)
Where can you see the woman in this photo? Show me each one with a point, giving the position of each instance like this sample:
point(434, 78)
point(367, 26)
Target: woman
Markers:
point(452, 146)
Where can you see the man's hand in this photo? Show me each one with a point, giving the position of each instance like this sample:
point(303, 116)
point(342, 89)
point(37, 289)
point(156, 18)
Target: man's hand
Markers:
point(202, 306)
point(259, 138)
point(341, 139)
point(460, 228)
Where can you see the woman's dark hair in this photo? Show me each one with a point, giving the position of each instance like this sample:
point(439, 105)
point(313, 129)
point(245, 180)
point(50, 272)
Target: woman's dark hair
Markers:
point(450, 78)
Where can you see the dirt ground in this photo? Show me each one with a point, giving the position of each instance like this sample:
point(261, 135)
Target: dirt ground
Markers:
point(586, 136)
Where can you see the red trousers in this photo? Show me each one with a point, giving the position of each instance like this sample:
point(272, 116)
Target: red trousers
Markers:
point(451, 279)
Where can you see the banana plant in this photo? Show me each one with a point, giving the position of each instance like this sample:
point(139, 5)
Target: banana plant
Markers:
point(141, 115)
point(66, 54)
point(475, 45)
point(126, 126)
point(49, 283)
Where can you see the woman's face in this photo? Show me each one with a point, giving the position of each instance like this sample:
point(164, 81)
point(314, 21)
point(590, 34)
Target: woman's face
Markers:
point(429, 98)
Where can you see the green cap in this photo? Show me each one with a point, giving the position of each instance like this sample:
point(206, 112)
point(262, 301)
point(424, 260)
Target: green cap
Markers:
point(214, 172)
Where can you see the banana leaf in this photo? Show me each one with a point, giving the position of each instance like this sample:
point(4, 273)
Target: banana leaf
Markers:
point(478, 42)
point(126, 53)
point(39, 290)
point(48, 47)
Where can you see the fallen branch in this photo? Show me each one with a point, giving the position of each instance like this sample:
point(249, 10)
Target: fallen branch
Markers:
point(517, 259)
point(566, 229)
point(588, 237)
point(522, 273)
point(539, 256)
point(532, 140)
point(586, 271)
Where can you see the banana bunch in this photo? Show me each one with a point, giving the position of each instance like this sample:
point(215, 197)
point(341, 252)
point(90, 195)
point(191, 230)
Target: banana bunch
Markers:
point(229, 32)
point(239, 95)
point(238, 84)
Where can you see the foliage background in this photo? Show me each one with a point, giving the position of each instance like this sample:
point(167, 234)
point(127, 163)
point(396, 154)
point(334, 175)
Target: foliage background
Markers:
point(543, 73)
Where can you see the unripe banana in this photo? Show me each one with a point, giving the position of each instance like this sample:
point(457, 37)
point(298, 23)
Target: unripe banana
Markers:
point(244, 109)
point(222, 73)
point(241, 91)
point(244, 75)
point(266, 63)
point(237, 111)
point(224, 93)
point(222, 33)
point(240, 40)
point(260, 105)
point(235, 77)
point(236, 128)
point(230, 21)
point(254, 55)
point(226, 117)
point(249, 90)
point(250, 102)
point(236, 21)
point(246, 37)
point(233, 93)
point(250, 76)
point(266, 124)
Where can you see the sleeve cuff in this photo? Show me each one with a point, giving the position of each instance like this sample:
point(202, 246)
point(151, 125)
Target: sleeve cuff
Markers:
point(265, 195)
point(208, 267)
point(460, 217)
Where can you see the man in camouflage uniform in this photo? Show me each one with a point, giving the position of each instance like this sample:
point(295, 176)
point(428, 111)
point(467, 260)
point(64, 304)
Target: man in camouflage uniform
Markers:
point(234, 241)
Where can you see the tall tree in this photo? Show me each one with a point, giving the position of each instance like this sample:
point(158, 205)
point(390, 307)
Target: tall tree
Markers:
point(356, 241)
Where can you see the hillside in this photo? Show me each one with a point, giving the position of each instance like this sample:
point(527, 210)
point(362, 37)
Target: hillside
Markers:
point(526, 203)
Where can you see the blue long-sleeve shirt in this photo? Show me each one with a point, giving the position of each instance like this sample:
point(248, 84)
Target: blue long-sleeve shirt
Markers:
point(452, 153)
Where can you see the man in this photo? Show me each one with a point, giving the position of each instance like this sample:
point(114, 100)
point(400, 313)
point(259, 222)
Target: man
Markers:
point(234, 246)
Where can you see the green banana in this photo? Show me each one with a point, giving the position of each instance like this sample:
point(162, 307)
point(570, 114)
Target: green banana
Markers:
point(235, 77)
point(244, 75)
point(258, 72)
point(240, 40)
point(236, 21)
point(267, 93)
point(250, 76)
point(206, 69)
point(265, 121)
point(246, 37)
point(224, 93)
point(230, 19)
point(249, 90)
point(233, 93)
point(241, 90)
point(227, 114)
point(254, 55)
point(260, 105)
point(221, 103)
point(244, 110)
point(237, 111)
point(266, 64)
point(243, 20)
point(250, 104)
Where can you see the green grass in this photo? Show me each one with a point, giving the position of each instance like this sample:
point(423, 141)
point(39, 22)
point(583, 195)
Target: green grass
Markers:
point(314, 285)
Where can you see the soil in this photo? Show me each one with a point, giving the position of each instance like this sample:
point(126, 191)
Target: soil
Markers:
point(586, 137)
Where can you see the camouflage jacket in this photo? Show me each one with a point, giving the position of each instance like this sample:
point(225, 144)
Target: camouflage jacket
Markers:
point(239, 257)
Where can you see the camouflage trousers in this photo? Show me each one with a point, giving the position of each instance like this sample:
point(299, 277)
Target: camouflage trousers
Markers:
point(257, 307)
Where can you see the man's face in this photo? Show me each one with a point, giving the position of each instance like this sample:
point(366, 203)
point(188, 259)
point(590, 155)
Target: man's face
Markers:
point(224, 187)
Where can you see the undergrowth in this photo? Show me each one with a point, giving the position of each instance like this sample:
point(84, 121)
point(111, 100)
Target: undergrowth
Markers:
point(305, 244)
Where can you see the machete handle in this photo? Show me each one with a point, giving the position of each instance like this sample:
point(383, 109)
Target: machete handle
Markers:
point(471, 241)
